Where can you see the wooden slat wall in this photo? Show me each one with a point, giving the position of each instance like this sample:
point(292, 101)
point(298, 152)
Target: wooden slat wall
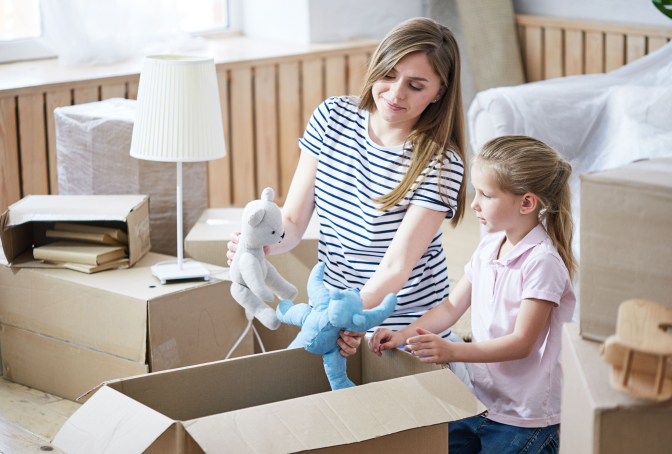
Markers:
point(560, 47)
point(266, 104)
point(265, 107)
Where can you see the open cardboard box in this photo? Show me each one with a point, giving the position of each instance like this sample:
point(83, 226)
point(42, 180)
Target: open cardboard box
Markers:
point(25, 223)
point(277, 402)
point(206, 242)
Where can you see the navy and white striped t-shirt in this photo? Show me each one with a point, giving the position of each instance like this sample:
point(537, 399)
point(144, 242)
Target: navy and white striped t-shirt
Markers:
point(354, 235)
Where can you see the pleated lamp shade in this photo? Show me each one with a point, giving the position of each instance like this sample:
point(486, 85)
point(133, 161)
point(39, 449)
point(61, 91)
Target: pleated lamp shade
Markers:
point(178, 116)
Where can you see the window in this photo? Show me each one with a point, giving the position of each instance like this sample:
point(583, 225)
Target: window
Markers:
point(22, 22)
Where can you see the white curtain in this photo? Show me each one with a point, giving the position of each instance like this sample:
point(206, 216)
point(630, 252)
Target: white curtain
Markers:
point(91, 32)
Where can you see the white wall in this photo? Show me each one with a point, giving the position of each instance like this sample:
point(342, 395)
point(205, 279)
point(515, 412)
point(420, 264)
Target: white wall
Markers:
point(322, 21)
point(627, 11)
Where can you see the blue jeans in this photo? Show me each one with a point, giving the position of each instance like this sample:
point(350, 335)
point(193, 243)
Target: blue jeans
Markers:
point(482, 435)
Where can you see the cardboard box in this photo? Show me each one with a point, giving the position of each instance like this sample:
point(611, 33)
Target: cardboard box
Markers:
point(25, 223)
point(127, 313)
point(59, 367)
point(278, 402)
point(207, 241)
point(596, 419)
point(626, 246)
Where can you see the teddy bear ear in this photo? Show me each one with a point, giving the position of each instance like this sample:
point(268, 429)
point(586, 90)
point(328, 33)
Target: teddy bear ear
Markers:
point(255, 217)
point(268, 195)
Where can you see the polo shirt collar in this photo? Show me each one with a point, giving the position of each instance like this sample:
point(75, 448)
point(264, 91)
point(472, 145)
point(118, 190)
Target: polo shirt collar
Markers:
point(534, 237)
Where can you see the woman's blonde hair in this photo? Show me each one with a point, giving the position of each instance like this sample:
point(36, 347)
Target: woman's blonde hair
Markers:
point(522, 165)
point(440, 127)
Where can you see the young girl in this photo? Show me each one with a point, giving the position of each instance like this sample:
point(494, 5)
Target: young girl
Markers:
point(519, 286)
point(383, 171)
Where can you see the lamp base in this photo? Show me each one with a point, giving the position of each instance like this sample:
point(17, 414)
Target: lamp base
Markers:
point(170, 271)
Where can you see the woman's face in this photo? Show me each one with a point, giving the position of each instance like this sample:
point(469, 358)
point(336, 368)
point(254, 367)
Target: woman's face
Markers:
point(404, 93)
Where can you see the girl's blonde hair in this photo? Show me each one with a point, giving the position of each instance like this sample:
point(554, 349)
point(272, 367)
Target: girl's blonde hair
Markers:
point(441, 126)
point(522, 164)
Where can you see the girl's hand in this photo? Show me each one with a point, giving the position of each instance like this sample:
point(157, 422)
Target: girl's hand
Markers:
point(232, 246)
point(385, 339)
point(349, 342)
point(430, 348)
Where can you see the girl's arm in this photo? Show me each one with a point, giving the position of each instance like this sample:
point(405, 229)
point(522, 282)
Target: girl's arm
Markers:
point(415, 233)
point(436, 320)
point(299, 204)
point(532, 317)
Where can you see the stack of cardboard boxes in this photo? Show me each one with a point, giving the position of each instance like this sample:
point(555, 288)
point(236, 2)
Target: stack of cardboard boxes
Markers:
point(626, 253)
point(65, 332)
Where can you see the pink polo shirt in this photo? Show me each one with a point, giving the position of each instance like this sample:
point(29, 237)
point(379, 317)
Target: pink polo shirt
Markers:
point(524, 392)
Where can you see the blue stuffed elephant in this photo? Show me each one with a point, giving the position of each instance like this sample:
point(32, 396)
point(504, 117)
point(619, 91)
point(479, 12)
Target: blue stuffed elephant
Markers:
point(333, 310)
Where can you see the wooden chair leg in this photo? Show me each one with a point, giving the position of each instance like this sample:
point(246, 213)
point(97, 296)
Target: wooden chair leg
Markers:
point(660, 374)
point(627, 366)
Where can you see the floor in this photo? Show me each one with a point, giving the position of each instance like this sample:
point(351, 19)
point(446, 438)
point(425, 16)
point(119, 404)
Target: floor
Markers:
point(30, 419)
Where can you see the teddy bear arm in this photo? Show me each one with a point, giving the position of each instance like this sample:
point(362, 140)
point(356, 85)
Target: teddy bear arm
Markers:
point(374, 317)
point(251, 272)
point(278, 284)
point(293, 314)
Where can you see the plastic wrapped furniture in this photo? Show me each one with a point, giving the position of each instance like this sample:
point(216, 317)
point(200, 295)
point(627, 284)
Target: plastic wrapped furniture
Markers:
point(92, 145)
point(596, 122)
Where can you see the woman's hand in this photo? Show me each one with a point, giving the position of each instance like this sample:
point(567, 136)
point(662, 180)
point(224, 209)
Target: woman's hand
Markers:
point(385, 339)
point(349, 342)
point(430, 348)
point(232, 246)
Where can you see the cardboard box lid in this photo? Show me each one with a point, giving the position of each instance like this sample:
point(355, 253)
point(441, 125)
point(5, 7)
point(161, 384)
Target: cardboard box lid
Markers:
point(73, 208)
point(296, 424)
point(647, 173)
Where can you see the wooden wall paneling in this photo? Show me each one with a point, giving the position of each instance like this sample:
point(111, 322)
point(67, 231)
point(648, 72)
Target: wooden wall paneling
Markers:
point(553, 53)
point(312, 82)
point(635, 47)
point(614, 45)
point(655, 43)
point(335, 76)
point(132, 87)
point(85, 94)
point(10, 178)
point(534, 54)
point(289, 121)
point(573, 52)
point(219, 170)
point(53, 100)
point(117, 90)
point(33, 145)
point(594, 62)
point(266, 128)
point(357, 66)
point(242, 137)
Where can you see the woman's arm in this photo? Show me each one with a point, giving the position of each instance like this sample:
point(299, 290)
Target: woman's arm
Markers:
point(415, 233)
point(532, 317)
point(299, 204)
point(296, 212)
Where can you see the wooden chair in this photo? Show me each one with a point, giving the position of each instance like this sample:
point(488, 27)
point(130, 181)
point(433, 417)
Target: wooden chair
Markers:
point(640, 350)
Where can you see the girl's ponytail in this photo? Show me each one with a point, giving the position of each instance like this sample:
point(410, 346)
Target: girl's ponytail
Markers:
point(522, 164)
point(557, 216)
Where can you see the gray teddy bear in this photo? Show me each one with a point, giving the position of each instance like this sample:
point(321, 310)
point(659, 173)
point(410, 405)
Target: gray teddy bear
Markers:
point(254, 279)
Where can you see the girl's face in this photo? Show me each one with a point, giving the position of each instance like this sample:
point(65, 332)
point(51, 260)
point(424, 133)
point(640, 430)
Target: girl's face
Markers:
point(404, 93)
point(496, 209)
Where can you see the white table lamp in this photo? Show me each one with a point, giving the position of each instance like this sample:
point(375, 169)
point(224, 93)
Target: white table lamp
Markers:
point(178, 119)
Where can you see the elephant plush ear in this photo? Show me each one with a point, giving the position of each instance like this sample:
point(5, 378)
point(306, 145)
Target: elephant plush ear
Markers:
point(255, 217)
point(268, 195)
point(358, 319)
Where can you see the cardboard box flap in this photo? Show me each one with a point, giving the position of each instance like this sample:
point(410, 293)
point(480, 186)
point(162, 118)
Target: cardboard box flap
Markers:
point(644, 173)
point(73, 208)
point(338, 417)
point(111, 423)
